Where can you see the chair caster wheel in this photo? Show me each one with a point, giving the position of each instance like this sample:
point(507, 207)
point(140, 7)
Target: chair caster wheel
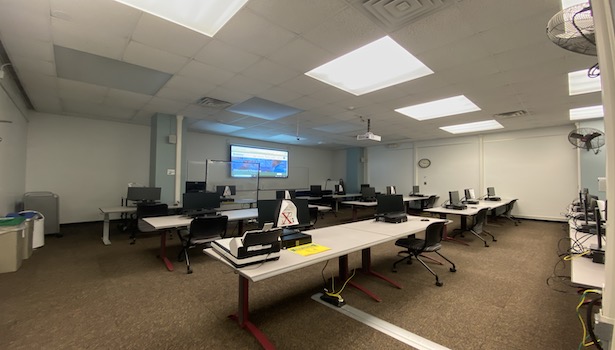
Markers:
point(439, 284)
point(189, 271)
point(486, 245)
point(495, 240)
point(452, 269)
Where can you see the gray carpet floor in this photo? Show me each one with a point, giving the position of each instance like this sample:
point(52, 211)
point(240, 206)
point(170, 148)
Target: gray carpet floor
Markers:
point(76, 293)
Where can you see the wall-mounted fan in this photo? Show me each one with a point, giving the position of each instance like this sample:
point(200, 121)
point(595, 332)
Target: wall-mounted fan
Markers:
point(587, 138)
point(573, 29)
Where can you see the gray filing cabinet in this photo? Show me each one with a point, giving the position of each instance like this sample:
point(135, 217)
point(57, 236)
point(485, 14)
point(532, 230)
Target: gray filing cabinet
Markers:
point(48, 204)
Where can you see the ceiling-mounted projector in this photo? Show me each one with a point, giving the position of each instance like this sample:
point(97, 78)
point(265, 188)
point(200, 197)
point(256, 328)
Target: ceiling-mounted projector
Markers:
point(369, 136)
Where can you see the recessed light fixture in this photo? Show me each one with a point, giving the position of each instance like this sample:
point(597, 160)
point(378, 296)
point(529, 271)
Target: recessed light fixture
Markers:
point(590, 112)
point(375, 66)
point(439, 108)
point(206, 17)
point(473, 127)
point(580, 83)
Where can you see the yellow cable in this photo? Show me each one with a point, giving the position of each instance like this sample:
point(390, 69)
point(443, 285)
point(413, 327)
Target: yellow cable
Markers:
point(581, 301)
point(334, 294)
point(574, 256)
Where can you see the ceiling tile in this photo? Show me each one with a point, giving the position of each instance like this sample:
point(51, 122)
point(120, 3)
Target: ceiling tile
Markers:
point(266, 70)
point(210, 74)
point(297, 16)
point(146, 56)
point(254, 34)
point(167, 36)
point(224, 56)
point(80, 38)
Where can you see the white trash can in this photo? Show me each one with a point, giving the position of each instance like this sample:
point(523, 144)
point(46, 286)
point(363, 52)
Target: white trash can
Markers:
point(38, 223)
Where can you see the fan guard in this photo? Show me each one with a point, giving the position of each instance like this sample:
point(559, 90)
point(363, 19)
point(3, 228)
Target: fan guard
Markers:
point(587, 138)
point(573, 29)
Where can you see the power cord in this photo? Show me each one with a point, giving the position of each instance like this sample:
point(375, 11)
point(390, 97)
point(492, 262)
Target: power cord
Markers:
point(588, 332)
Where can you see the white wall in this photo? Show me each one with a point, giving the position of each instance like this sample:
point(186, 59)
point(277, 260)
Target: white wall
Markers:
point(12, 147)
point(536, 166)
point(307, 166)
point(87, 163)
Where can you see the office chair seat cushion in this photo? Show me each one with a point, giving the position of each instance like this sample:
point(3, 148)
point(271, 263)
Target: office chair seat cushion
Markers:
point(410, 243)
point(433, 248)
point(203, 240)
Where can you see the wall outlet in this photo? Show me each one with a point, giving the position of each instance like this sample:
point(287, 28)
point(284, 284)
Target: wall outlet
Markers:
point(170, 171)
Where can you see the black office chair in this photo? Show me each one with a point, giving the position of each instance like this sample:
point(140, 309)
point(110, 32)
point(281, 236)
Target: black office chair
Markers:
point(431, 244)
point(202, 231)
point(508, 212)
point(478, 226)
point(430, 202)
point(313, 216)
point(145, 211)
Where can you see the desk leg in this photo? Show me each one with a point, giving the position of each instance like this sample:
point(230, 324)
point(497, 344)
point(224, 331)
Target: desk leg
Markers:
point(343, 276)
point(163, 251)
point(366, 262)
point(446, 237)
point(105, 235)
point(354, 213)
point(243, 314)
point(240, 227)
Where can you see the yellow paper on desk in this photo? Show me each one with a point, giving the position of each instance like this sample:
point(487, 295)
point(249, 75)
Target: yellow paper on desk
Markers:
point(308, 249)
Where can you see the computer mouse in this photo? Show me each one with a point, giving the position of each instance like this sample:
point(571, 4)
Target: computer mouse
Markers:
point(424, 219)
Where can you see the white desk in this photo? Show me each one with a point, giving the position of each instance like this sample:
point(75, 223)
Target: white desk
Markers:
point(341, 239)
point(582, 270)
point(107, 211)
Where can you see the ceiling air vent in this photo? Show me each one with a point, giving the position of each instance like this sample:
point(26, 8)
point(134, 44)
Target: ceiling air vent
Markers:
point(394, 14)
point(212, 102)
point(512, 114)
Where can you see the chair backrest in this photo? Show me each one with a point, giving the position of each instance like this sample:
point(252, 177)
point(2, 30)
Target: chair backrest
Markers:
point(148, 211)
point(430, 202)
point(313, 216)
point(509, 207)
point(479, 220)
point(433, 233)
point(205, 227)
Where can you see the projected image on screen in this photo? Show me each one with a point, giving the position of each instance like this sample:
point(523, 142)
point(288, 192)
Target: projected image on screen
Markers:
point(249, 161)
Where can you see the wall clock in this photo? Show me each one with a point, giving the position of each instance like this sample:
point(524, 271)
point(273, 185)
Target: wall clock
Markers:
point(424, 163)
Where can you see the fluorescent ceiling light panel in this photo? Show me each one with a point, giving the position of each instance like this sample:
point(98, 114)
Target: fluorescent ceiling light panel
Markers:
point(203, 16)
point(590, 112)
point(439, 108)
point(377, 65)
point(472, 127)
point(205, 125)
point(580, 83)
point(263, 109)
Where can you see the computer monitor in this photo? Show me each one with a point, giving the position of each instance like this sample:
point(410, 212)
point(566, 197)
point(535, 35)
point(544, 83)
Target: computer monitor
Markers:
point(453, 198)
point(194, 201)
point(415, 189)
point(281, 194)
point(315, 190)
point(195, 186)
point(390, 203)
point(599, 230)
point(469, 193)
point(368, 193)
point(364, 185)
point(143, 194)
point(490, 192)
point(226, 190)
point(391, 190)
